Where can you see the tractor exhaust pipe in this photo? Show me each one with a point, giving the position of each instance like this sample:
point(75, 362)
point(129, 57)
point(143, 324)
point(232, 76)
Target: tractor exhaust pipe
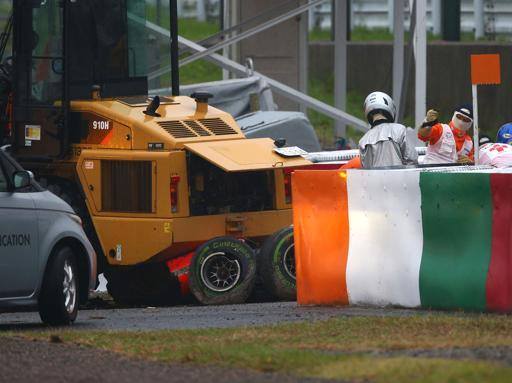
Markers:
point(175, 69)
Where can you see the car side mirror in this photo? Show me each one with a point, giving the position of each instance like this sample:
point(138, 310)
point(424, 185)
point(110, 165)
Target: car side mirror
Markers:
point(21, 179)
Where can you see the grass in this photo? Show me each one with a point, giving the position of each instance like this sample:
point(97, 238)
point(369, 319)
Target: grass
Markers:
point(5, 8)
point(383, 34)
point(403, 369)
point(335, 349)
point(197, 30)
point(324, 125)
point(357, 34)
point(198, 72)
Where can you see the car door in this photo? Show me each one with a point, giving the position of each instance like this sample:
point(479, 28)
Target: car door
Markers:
point(18, 237)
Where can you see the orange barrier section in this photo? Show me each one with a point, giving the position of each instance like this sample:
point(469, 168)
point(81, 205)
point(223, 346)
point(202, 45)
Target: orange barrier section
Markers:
point(321, 196)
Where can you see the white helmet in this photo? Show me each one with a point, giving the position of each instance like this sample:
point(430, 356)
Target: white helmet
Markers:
point(379, 102)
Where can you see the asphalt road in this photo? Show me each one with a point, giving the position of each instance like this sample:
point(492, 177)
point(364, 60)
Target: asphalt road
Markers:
point(190, 317)
point(43, 362)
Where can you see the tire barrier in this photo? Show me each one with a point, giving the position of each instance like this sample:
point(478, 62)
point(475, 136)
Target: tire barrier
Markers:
point(276, 265)
point(404, 238)
point(222, 271)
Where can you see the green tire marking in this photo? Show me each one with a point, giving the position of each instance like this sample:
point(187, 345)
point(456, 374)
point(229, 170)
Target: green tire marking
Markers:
point(277, 261)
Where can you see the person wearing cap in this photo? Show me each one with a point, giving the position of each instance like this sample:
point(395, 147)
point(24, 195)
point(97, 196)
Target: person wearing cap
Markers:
point(448, 143)
point(386, 143)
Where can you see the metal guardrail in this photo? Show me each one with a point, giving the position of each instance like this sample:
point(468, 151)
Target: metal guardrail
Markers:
point(345, 155)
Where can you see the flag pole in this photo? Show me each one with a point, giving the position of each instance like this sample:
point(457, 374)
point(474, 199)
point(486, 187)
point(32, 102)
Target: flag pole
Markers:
point(476, 144)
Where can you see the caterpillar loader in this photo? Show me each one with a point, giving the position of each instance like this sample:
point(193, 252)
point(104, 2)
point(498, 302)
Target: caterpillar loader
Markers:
point(164, 186)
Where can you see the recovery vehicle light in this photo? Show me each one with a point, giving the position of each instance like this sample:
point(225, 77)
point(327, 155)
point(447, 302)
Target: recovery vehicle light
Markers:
point(175, 180)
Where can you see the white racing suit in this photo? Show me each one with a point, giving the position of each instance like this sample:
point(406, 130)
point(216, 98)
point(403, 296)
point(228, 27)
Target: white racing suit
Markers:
point(386, 144)
point(497, 155)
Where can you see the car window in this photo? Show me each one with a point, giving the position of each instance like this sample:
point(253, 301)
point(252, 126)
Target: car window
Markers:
point(4, 186)
point(10, 166)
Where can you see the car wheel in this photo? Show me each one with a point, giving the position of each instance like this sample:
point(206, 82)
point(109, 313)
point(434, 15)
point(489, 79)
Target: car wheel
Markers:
point(276, 265)
point(222, 271)
point(59, 297)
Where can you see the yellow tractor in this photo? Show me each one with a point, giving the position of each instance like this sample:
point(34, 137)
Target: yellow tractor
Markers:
point(157, 180)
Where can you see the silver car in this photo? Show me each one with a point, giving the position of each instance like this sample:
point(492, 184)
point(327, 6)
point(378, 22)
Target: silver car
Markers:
point(45, 257)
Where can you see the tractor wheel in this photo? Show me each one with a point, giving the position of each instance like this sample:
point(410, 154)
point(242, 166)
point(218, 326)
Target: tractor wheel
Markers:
point(276, 265)
point(223, 271)
point(143, 285)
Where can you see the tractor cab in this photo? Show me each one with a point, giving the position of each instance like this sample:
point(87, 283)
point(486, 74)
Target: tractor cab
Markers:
point(71, 50)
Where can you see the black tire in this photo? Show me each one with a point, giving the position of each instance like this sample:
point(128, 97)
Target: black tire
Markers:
point(276, 265)
point(147, 284)
point(54, 307)
point(223, 271)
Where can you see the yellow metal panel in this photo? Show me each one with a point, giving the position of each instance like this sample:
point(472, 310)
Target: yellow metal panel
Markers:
point(89, 172)
point(129, 241)
point(279, 191)
point(201, 228)
point(132, 155)
point(255, 224)
point(100, 130)
point(267, 222)
point(244, 155)
point(146, 129)
point(164, 165)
